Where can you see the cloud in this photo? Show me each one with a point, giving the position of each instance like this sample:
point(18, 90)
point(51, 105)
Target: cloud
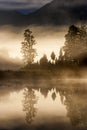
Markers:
point(29, 4)
point(8, 63)
point(22, 4)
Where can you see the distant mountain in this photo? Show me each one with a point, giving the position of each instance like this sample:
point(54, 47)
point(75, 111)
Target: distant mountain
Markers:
point(57, 12)
point(12, 18)
point(60, 13)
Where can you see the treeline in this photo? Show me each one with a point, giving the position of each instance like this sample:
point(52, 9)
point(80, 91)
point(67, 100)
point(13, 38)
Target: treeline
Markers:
point(72, 54)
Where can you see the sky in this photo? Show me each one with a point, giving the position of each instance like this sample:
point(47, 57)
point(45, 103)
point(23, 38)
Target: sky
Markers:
point(22, 4)
point(10, 41)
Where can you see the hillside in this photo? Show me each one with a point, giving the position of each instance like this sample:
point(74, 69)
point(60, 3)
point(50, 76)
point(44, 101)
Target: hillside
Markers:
point(54, 13)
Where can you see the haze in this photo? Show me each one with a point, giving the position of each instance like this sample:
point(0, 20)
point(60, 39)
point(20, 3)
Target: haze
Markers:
point(48, 39)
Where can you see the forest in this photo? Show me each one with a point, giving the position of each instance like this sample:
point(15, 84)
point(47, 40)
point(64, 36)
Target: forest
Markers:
point(72, 54)
point(71, 58)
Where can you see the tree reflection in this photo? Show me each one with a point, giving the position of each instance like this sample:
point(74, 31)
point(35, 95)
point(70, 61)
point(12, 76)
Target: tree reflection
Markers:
point(72, 96)
point(61, 96)
point(44, 92)
point(53, 96)
point(29, 102)
point(76, 105)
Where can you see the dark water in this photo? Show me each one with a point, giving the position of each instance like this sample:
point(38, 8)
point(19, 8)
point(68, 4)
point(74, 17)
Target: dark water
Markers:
point(43, 105)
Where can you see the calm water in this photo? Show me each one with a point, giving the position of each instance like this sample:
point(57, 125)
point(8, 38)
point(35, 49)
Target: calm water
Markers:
point(43, 106)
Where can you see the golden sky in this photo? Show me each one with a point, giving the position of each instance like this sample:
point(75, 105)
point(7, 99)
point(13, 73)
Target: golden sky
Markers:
point(48, 39)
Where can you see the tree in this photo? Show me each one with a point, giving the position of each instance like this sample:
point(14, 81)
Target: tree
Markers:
point(44, 60)
point(27, 49)
point(70, 48)
point(53, 56)
point(61, 54)
point(75, 44)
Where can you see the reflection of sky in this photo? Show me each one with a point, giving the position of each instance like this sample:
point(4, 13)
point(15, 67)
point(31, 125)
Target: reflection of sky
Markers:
point(59, 112)
point(50, 107)
point(11, 109)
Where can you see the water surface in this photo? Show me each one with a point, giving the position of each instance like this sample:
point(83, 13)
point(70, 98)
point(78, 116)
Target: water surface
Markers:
point(43, 106)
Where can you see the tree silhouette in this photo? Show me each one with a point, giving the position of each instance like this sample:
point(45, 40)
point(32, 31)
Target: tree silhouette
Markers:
point(75, 45)
point(44, 60)
point(27, 49)
point(61, 57)
point(29, 102)
point(71, 44)
point(53, 56)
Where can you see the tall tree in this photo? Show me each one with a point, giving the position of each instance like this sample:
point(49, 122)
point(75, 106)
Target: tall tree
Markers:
point(27, 49)
point(53, 56)
point(61, 55)
point(75, 44)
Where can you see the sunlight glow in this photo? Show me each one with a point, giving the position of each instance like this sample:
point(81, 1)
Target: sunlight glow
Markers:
point(11, 41)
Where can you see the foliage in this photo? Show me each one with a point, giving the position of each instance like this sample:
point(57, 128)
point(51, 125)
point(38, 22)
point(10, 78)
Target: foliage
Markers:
point(44, 60)
point(73, 53)
point(27, 49)
point(76, 44)
point(53, 56)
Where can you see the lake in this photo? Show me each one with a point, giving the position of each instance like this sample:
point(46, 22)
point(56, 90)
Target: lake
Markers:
point(43, 105)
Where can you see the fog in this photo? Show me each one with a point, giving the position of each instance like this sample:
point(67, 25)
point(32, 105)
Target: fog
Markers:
point(48, 39)
point(58, 105)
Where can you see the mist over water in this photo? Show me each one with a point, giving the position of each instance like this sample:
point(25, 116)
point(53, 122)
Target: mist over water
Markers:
point(43, 100)
point(43, 105)
point(49, 92)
